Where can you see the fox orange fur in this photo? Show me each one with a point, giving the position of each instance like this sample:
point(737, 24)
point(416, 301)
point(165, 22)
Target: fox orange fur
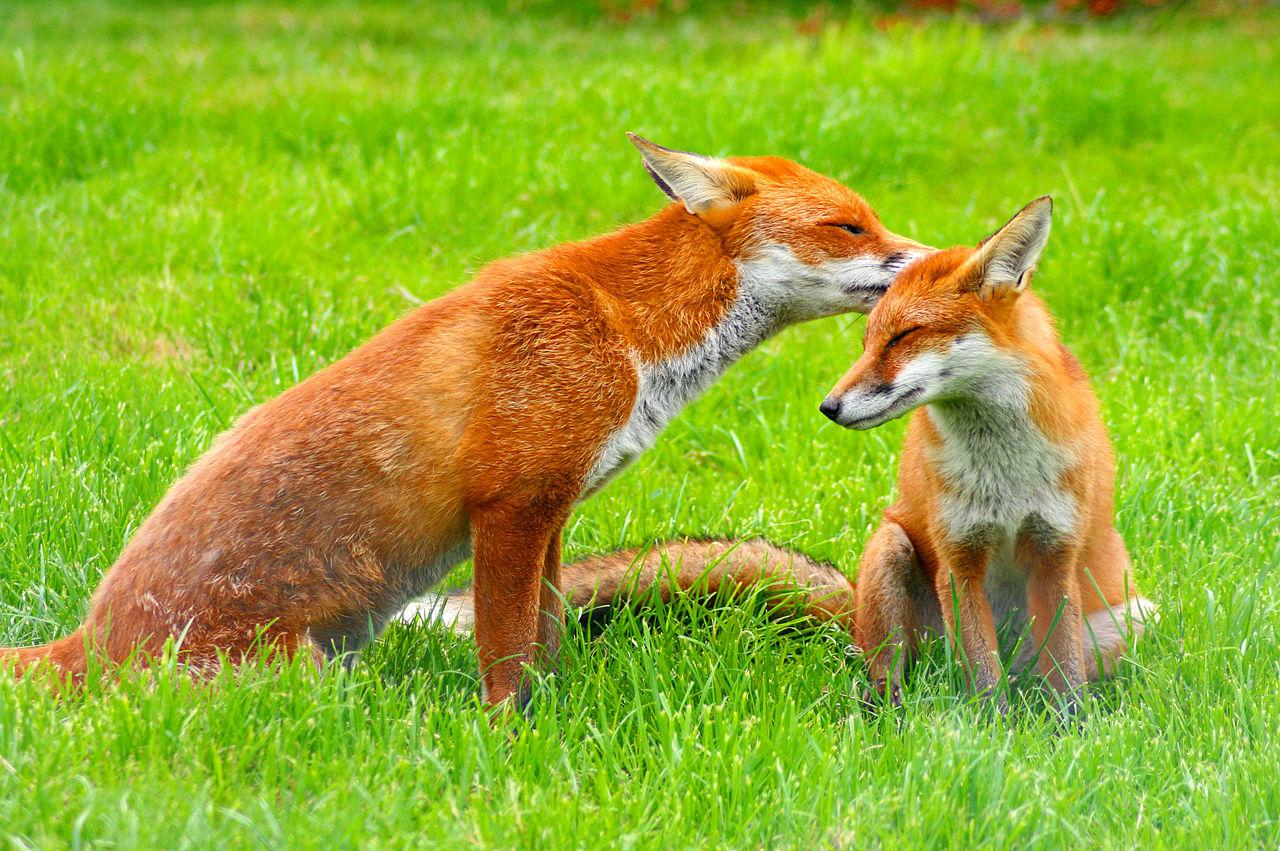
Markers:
point(1004, 510)
point(473, 426)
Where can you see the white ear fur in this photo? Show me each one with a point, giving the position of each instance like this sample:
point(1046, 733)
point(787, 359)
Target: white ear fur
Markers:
point(702, 184)
point(1009, 256)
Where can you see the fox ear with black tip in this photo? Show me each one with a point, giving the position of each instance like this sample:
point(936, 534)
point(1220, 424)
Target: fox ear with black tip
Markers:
point(702, 184)
point(1006, 260)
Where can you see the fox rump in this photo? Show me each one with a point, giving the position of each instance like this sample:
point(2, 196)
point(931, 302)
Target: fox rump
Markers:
point(473, 425)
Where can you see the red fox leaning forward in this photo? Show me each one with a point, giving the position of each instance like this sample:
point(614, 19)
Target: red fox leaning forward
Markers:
point(1005, 487)
point(473, 425)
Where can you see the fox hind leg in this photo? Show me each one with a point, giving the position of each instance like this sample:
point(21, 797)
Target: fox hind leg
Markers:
point(895, 605)
point(550, 605)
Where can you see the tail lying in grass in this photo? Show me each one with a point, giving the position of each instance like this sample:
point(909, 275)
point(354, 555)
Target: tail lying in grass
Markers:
point(809, 587)
point(67, 657)
point(1106, 634)
point(817, 590)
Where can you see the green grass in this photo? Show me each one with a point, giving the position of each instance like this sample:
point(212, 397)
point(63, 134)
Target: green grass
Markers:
point(199, 207)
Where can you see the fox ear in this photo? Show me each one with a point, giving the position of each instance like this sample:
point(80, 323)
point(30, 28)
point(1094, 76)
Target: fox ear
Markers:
point(1005, 261)
point(702, 184)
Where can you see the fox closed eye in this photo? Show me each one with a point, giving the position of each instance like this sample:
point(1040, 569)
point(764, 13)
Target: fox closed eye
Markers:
point(902, 335)
point(847, 228)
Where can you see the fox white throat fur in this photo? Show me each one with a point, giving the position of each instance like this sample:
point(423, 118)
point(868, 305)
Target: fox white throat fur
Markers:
point(775, 289)
point(1002, 472)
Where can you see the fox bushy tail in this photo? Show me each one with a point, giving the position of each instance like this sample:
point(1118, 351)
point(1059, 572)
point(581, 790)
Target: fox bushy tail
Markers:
point(801, 584)
point(67, 657)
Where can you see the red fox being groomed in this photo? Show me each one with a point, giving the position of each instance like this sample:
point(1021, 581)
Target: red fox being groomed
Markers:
point(474, 424)
point(1006, 481)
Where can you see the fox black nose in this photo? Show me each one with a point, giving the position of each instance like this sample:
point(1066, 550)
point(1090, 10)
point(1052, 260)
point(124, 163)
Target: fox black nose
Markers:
point(830, 407)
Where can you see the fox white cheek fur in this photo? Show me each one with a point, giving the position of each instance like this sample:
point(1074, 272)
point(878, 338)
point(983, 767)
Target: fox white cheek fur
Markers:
point(971, 364)
point(870, 404)
point(806, 291)
point(866, 278)
point(975, 365)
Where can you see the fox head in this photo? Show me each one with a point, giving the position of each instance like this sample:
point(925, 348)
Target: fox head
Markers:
point(946, 329)
point(800, 240)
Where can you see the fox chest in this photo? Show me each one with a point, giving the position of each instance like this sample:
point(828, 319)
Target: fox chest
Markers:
point(1001, 478)
point(997, 495)
point(664, 387)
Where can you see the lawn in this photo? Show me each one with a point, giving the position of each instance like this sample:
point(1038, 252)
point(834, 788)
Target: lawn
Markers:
point(197, 208)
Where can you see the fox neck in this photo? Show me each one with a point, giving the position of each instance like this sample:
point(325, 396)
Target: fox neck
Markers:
point(985, 425)
point(672, 286)
point(998, 464)
point(689, 314)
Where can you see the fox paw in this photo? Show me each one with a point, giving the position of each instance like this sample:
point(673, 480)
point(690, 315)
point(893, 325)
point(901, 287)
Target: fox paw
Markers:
point(880, 694)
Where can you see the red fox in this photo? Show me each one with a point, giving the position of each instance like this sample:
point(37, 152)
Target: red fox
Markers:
point(474, 424)
point(1005, 485)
